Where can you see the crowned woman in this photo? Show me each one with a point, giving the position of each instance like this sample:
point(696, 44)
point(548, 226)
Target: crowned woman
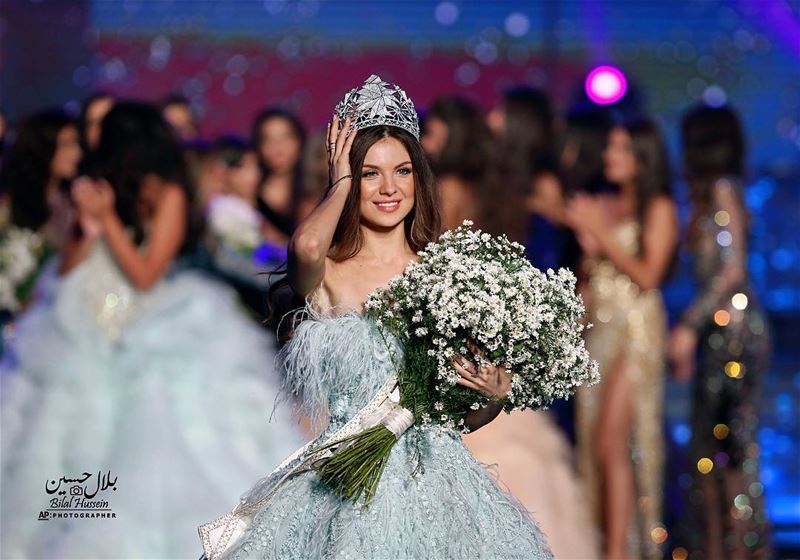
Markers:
point(433, 500)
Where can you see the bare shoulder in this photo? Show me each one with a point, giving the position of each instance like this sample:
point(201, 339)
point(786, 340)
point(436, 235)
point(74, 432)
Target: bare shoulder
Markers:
point(173, 193)
point(662, 206)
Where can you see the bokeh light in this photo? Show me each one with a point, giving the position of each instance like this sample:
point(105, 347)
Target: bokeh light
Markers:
point(606, 85)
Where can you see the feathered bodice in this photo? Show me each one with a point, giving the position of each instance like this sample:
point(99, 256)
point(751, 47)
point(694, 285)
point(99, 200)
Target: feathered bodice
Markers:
point(335, 364)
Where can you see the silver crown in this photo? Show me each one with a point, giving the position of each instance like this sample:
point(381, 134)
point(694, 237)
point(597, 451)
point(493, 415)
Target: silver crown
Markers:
point(376, 103)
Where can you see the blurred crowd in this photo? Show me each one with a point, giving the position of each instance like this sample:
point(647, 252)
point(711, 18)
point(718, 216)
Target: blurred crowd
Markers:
point(585, 189)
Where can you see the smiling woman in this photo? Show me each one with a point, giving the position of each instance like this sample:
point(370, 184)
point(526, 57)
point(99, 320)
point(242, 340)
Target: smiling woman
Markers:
point(390, 176)
point(385, 185)
point(379, 212)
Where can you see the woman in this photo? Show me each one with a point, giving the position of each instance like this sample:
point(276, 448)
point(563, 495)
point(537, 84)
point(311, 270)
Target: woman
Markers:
point(457, 140)
point(728, 327)
point(36, 215)
point(93, 111)
point(37, 171)
point(525, 451)
point(279, 139)
point(380, 210)
point(150, 376)
point(629, 239)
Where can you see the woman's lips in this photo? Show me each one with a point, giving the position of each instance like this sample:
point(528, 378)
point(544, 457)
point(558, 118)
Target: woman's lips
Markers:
point(387, 206)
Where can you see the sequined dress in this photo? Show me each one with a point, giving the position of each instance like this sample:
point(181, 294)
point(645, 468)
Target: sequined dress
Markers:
point(169, 390)
point(734, 351)
point(629, 329)
point(433, 500)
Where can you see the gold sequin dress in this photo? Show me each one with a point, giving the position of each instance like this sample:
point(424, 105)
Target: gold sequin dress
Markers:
point(629, 332)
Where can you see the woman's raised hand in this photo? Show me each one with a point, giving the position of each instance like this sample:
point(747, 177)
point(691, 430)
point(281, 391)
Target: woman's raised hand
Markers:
point(94, 198)
point(339, 143)
point(490, 380)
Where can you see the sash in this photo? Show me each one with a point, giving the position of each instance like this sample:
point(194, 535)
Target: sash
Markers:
point(220, 535)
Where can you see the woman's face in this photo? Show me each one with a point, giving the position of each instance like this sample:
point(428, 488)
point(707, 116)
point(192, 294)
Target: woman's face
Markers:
point(496, 120)
point(279, 146)
point(180, 117)
point(64, 165)
point(243, 178)
point(387, 184)
point(94, 120)
point(619, 159)
point(435, 137)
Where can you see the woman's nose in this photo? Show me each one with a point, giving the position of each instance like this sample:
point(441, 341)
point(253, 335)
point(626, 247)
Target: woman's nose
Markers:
point(388, 187)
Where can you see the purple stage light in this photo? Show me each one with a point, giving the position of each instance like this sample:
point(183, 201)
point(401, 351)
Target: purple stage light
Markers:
point(606, 85)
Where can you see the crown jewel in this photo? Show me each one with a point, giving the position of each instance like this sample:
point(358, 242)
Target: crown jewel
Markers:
point(377, 102)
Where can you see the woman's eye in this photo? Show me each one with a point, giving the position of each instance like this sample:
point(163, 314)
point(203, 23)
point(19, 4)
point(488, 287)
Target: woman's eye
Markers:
point(404, 171)
point(370, 173)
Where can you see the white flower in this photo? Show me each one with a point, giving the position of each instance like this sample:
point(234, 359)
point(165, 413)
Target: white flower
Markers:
point(472, 286)
point(234, 221)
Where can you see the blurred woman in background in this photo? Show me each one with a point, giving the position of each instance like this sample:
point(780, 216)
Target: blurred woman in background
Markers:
point(36, 214)
point(315, 174)
point(177, 111)
point(526, 452)
point(728, 327)
point(629, 240)
point(93, 110)
point(134, 369)
point(279, 139)
point(37, 171)
point(459, 145)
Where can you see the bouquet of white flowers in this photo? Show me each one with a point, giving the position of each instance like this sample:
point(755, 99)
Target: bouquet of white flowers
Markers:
point(22, 252)
point(469, 287)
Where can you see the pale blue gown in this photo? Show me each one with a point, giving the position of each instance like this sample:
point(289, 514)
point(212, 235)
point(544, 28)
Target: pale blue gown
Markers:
point(170, 390)
point(449, 508)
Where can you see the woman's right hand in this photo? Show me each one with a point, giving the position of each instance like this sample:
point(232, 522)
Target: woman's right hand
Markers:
point(339, 144)
point(681, 352)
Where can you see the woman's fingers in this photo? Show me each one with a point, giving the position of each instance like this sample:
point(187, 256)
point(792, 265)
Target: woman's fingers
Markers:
point(468, 370)
point(464, 382)
point(333, 130)
point(349, 144)
point(342, 138)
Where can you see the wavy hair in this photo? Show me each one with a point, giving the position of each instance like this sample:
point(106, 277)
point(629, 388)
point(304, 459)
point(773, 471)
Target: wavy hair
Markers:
point(422, 225)
point(25, 172)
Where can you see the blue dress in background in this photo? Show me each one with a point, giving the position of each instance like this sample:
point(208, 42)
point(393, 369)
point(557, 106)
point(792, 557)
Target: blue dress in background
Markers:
point(448, 508)
point(170, 391)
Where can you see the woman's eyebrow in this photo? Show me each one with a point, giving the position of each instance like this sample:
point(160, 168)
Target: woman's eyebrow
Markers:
point(378, 167)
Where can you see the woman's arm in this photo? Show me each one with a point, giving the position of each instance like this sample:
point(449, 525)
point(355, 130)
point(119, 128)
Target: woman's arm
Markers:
point(659, 239)
point(716, 294)
point(489, 380)
point(312, 239)
point(477, 419)
point(167, 232)
point(683, 340)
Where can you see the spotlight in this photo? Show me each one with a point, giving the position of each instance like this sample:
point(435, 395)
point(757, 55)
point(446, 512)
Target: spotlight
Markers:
point(606, 85)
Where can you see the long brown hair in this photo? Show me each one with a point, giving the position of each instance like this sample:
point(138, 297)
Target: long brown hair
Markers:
point(422, 225)
point(524, 150)
point(654, 177)
point(714, 148)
